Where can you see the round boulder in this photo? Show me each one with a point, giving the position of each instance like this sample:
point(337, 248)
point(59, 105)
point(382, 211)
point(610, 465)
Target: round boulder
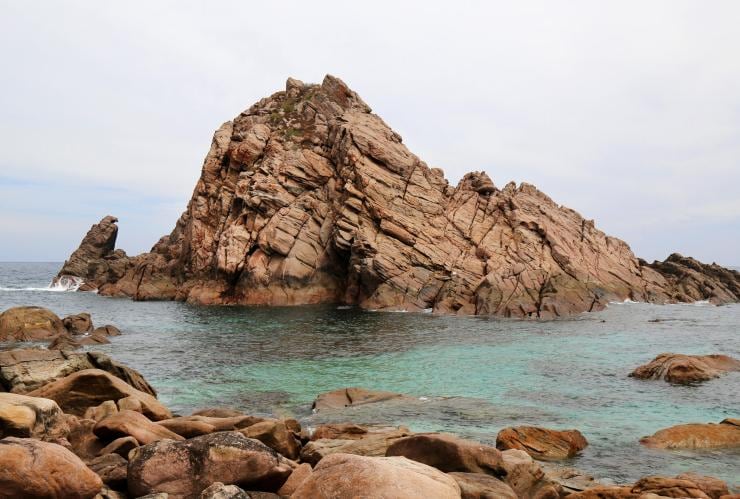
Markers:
point(31, 468)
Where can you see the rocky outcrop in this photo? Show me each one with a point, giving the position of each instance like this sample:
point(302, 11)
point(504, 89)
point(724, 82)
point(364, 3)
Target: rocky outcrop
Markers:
point(346, 475)
point(309, 197)
point(542, 443)
point(31, 468)
point(480, 486)
point(697, 436)
point(96, 260)
point(685, 369)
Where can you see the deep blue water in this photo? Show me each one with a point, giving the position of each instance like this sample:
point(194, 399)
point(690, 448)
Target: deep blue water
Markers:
point(472, 376)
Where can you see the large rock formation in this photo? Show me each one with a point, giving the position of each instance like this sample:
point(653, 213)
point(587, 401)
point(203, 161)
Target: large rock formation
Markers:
point(308, 197)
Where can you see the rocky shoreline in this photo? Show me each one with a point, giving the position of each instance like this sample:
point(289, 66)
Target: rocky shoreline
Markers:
point(80, 424)
point(308, 197)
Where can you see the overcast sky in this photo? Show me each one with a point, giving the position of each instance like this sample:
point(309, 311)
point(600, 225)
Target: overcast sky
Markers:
point(627, 111)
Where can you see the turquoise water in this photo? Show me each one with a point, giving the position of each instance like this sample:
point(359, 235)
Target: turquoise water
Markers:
point(471, 376)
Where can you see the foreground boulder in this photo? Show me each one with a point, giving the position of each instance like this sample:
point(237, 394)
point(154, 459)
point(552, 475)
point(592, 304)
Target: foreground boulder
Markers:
point(542, 443)
point(347, 476)
point(696, 436)
point(23, 416)
point(186, 468)
point(309, 197)
point(132, 424)
point(349, 397)
point(91, 387)
point(30, 324)
point(688, 485)
point(24, 370)
point(449, 453)
point(30, 468)
point(684, 369)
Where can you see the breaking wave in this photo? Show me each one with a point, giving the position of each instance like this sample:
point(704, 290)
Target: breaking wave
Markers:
point(64, 283)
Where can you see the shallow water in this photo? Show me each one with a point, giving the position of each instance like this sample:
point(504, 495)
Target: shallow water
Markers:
point(474, 376)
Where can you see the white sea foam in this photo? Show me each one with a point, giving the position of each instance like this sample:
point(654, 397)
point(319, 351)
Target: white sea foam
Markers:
point(65, 283)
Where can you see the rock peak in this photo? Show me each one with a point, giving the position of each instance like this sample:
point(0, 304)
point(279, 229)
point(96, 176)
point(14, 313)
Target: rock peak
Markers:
point(309, 197)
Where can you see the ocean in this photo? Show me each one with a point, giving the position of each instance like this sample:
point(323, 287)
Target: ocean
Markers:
point(469, 375)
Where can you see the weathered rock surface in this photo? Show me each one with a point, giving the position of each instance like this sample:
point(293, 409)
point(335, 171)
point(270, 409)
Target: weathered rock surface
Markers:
point(347, 476)
point(30, 324)
point(276, 435)
point(352, 431)
point(308, 197)
point(78, 323)
point(449, 453)
point(31, 468)
point(24, 370)
point(683, 369)
point(481, 486)
point(527, 478)
point(23, 416)
point(220, 491)
point(112, 470)
point(132, 424)
point(370, 444)
point(186, 468)
point(299, 475)
point(696, 436)
point(89, 388)
point(121, 446)
point(542, 443)
point(193, 426)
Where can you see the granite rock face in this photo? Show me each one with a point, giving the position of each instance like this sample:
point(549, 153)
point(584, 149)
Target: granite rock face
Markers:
point(309, 197)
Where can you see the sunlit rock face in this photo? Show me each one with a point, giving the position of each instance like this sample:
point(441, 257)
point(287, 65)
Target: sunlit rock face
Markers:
point(309, 197)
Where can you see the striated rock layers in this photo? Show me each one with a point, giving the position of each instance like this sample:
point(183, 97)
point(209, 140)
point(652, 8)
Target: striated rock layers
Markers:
point(308, 197)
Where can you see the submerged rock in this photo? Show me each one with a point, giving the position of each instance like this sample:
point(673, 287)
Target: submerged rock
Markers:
point(31, 468)
point(346, 475)
point(696, 436)
point(186, 468)
point(349, 397)
point(542, 443)
point(683, 369)
point(308, 197)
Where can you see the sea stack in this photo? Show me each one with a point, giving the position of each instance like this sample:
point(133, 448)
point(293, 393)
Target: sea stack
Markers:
point(309, 197)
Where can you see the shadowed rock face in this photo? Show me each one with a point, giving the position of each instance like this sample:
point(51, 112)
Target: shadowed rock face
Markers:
point(308, 197)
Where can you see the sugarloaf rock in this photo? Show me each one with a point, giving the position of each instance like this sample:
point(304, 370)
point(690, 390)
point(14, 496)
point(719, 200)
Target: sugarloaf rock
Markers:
point(309, 197)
